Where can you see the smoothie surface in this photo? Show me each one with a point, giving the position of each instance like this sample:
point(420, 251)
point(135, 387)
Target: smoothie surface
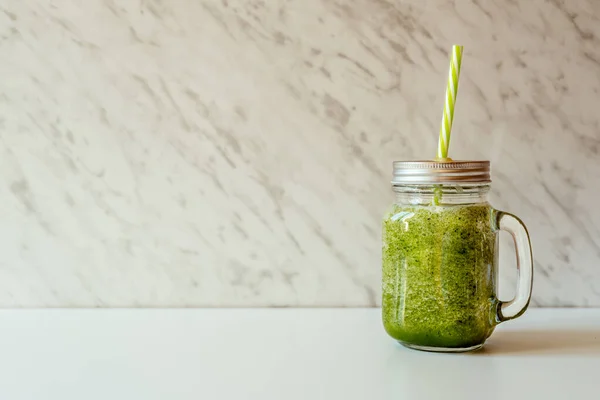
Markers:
point(438, 274)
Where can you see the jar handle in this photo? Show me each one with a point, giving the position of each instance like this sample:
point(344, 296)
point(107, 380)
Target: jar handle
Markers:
point(517, 306)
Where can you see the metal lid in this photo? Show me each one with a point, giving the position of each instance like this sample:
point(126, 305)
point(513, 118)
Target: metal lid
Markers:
point(445, 171)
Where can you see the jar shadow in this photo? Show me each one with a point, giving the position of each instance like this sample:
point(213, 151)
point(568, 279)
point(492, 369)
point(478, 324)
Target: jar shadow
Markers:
point(543, 342)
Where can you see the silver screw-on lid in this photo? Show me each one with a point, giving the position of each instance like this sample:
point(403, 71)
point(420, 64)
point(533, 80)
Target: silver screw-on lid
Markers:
point(443, 171)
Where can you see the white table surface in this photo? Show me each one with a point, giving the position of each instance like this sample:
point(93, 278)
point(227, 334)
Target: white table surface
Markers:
point(285, 354)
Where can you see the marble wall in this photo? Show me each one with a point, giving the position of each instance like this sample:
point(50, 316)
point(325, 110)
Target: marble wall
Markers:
point(238, 153)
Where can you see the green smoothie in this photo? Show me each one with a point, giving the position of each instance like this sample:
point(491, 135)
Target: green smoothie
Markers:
point(438, 275)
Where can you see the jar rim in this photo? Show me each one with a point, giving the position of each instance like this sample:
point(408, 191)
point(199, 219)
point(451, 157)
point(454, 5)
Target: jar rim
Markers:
point(440, 172)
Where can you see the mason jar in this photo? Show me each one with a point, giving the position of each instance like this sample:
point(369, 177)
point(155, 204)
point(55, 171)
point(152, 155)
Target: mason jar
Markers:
point(440, 257)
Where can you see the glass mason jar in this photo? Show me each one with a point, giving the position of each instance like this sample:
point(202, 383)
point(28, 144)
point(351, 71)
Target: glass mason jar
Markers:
point(440, 257)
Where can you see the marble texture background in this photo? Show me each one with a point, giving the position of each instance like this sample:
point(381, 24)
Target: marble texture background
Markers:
point(238, 153)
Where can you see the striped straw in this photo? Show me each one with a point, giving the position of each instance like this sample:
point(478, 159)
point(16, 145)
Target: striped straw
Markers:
point(451, 91)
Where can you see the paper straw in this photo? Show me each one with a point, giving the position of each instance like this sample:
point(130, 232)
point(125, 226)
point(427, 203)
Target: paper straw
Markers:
point(451, 91)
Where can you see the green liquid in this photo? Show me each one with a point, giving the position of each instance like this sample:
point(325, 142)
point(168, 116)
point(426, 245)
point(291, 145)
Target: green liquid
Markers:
point(438, 275)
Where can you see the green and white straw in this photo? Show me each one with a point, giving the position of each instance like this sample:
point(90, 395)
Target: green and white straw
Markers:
point(451, 91)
